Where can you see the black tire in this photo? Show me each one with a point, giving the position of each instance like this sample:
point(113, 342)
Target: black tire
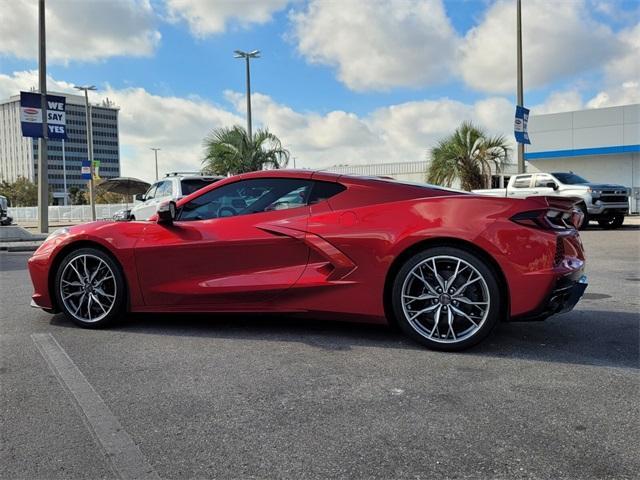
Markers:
point(119, 306)
point(492, 290)
point(611, 223)
point(585, 212)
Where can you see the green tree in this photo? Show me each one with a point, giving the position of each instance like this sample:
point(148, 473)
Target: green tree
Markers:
point(230, 150)
point(77, 196)
point(467, 155)
point(21, 193)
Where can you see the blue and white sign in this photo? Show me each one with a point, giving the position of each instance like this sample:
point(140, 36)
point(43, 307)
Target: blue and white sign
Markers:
point(31, 116)
point(86, 170)
point(520, 125)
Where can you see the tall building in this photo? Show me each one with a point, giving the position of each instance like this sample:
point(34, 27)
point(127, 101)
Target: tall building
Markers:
point(19, 155)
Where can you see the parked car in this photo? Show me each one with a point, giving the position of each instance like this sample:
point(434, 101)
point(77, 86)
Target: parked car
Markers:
point(605, 203)
point(5, 219)
point(446, 266)
point(173, 187)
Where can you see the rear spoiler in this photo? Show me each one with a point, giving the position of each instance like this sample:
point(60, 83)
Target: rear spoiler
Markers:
point(564, 204)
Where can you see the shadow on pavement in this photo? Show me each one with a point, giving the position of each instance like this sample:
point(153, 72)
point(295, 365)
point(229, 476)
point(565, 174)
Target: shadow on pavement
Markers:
point(587, 337)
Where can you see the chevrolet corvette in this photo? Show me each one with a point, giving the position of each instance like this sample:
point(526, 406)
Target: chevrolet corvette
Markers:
point(442, 265)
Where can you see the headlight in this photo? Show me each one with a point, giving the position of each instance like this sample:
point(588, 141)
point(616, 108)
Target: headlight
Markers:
point(57, 233)
point(596, 193)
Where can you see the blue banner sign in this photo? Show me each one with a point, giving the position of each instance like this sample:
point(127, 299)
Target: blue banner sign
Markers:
point(31, 116)
point(520, 125)
point(86, 170)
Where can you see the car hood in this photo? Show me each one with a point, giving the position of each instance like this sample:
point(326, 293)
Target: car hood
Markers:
point(605, 186)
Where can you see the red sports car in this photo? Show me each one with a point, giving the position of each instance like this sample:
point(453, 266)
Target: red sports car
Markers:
point(445, 266)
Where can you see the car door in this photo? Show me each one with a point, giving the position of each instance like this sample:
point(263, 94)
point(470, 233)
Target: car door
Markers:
point(540, 184)
point(147, 208)
point(234, 247)
point(521, 186)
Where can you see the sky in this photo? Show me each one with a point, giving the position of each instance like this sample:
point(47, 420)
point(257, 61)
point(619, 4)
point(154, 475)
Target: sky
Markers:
point(339, 82)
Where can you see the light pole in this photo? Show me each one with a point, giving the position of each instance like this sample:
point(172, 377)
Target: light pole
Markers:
point(155, 150)
point(88, 116)
point(520, 87)
point(247, 56)
point(43, 173)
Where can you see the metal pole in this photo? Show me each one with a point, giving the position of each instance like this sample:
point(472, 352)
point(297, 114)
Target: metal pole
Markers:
point(90, 152)
point(248, 99)
point(155, 150)
point(43, 173)
point(64, 173)
point(521, 166)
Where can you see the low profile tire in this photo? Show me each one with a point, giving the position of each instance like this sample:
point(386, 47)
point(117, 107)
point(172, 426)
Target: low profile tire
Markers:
point(446, 298)
point(611, 223)
point(585, 212)
point(90, 288)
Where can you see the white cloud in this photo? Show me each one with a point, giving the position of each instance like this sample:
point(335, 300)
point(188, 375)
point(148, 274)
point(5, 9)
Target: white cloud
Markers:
point(625, 94)
point(378, 44)
point(207, 17)
point(83, 30)
point(561, 101)
point(396, 133)
point(560, 39)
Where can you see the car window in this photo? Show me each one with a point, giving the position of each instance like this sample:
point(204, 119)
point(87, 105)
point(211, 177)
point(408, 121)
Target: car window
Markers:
point(190, 185)
point(324, 190)
point(165, 189)
point(522, 182)
point(248, 197)
point(570, 178)
point(542, 180)
point(151, 193)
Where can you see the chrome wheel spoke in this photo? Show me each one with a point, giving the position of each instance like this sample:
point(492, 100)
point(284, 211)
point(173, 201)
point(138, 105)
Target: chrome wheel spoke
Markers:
point(88, 296)
point(436, 321)
point(450, 322)
point(464, 315)
point(452, 291)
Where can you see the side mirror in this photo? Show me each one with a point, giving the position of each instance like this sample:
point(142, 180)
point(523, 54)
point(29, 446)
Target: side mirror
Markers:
point(166, 212)
point(140, 197)
point(553, 185)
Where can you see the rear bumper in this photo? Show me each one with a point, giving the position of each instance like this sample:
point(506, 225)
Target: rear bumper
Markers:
point(564, 296)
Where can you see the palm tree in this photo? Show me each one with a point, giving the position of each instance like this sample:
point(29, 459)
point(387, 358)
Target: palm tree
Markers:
point(230, 150)
point(467, 155)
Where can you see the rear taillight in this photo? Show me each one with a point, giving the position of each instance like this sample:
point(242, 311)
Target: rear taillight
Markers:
point(546, 219)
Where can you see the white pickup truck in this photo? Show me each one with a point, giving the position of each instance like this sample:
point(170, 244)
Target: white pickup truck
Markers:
point(605, 203)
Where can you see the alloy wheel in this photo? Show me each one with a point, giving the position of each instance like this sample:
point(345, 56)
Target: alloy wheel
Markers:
point(88, 288)
point(445, 299)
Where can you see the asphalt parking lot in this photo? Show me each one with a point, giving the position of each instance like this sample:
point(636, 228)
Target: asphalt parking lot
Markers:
point(174, 396)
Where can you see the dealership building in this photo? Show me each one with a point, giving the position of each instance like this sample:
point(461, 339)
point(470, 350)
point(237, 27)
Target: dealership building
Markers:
point(600, 144)
point(19, 155)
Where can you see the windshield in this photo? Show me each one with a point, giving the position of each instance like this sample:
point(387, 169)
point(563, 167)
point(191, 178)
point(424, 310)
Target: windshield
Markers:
point(570, 178)
point(191, 185)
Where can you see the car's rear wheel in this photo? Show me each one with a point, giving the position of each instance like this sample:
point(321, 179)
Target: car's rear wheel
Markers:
point(612, 222)
point(90, 288)
point(446, 298)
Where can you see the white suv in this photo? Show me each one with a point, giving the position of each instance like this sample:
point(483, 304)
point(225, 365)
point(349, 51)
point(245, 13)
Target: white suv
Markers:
point(173, 187)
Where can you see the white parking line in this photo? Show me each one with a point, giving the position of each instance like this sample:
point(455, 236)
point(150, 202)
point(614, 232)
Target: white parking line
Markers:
point(120, 450)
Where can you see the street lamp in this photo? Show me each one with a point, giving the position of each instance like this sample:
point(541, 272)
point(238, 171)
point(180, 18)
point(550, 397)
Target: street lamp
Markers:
point(520, 93)
point(155, 150)
point(247, 56)
point(88, 116)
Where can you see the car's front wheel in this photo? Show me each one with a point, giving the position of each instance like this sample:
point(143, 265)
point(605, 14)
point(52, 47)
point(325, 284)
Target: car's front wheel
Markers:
point(611, 222)
point(446, 298)
point(90, 288)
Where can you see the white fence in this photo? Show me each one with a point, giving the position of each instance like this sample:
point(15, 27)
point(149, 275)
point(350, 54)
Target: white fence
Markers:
point(69, 213)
